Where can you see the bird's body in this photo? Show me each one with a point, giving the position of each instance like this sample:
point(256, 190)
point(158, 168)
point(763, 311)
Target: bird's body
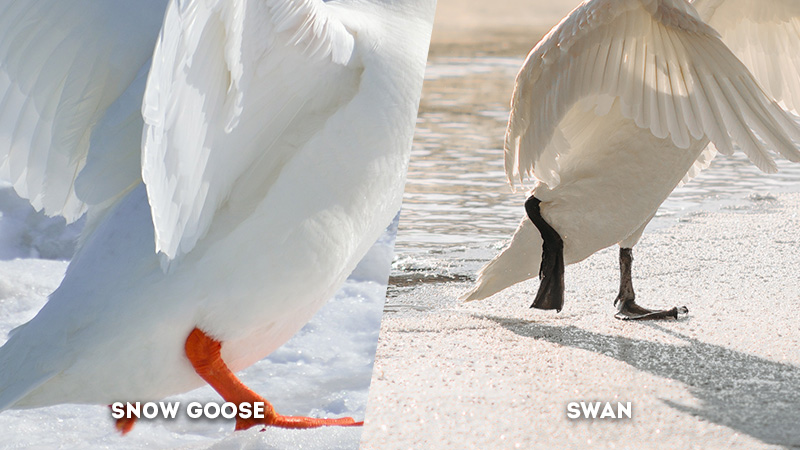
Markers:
point(276, 142)
point(612, 110)
point(624, 166)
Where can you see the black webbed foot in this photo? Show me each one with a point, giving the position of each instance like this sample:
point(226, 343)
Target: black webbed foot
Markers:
point(627, 309)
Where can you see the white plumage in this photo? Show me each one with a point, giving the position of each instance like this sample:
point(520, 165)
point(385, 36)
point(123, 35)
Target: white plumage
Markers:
point(63, 65)
point(616, 106)
point(195, 104)
point(765, 36)
point(273, 139)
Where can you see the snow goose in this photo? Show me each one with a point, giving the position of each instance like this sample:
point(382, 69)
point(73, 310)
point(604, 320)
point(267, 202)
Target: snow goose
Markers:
point(611, 110)
point(231, 185)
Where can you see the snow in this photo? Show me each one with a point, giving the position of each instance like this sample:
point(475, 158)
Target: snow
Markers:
point(324, 370)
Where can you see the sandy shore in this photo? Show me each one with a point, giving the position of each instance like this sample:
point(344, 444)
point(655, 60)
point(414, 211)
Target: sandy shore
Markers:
point(497, 375)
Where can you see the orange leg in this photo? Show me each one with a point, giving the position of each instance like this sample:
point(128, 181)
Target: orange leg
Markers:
point(204, 354)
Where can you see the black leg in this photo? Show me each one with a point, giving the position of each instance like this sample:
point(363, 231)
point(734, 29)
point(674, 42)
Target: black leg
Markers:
point(627, 309)
point(551, 271)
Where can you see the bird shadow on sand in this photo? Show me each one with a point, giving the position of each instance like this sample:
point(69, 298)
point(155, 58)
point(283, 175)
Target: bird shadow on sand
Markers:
point(752, 395)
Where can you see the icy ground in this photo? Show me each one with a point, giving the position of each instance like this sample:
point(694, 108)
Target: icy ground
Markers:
point(324, 370)
point(496, 374)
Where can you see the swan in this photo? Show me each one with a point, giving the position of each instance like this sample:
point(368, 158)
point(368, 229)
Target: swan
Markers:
point(618, 104)
point(232, 178)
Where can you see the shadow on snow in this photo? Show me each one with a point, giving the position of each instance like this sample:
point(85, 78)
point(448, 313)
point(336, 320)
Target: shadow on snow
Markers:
point(755, 396)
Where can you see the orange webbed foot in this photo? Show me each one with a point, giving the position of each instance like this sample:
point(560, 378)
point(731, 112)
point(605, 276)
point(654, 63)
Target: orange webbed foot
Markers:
point(204, 354)
point(296, 422)
point(125, 424)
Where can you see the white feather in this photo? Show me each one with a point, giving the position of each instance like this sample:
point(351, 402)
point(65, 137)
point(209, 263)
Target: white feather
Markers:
point(62, 65)
point(680, 73)
point(765, 35)
point(208, 121)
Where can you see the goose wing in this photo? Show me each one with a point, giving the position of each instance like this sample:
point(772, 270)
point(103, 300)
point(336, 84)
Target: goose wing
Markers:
point(670, 72)
point(62, 66)
point(235, 85)
point(765, 35)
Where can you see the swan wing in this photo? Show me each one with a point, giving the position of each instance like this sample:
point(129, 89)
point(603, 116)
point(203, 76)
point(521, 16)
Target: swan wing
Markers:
point(670, 72)
point(62, 65)
point(765, 35)
point(235, 85)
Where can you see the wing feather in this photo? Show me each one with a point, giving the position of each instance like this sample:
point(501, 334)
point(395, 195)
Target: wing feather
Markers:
point(670, 71)
point(208, 121)
point(765, 35)
point(62, 65)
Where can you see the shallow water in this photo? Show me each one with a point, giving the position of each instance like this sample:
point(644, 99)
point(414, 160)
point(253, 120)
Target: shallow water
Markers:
point(457, 197)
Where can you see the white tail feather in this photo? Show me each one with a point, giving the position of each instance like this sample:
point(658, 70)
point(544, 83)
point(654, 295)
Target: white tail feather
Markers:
point(519, 261)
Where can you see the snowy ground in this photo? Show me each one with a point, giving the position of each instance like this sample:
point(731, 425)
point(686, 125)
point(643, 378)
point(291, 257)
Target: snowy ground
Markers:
point(496, 374)
point(324, 370)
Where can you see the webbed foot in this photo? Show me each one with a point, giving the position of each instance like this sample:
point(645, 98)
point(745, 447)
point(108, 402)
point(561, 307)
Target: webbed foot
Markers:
point(627, 309)
point(204, 354)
